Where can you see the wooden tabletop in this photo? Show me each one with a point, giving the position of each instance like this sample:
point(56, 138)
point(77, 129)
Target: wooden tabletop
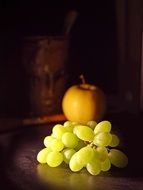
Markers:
point(19, 169)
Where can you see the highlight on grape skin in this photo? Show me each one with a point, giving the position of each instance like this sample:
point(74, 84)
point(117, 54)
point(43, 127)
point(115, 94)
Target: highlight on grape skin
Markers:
point(93, 146)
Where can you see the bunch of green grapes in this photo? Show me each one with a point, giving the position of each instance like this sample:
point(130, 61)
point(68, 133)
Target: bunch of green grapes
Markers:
point(91, 146)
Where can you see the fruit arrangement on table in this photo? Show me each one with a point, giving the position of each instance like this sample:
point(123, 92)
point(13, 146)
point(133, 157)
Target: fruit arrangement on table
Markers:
point(84, 140)
point(91, 146)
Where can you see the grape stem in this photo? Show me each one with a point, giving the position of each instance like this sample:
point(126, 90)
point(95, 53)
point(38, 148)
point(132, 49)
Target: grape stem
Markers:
point(86, 142)
point(108, 149)
point(91, 144)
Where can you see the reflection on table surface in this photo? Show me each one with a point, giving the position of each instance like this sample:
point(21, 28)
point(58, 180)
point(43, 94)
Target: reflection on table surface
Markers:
point(62, 178)
point(20, 168)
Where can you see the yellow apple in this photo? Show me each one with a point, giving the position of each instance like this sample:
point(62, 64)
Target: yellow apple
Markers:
point(84, 102)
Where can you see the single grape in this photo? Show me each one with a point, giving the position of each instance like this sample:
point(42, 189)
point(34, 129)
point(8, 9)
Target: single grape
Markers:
point(42, 155)
point(57, 145)
point(96, 154)
point(68, 153)
point(102, 139)
point(74, 165)
point(103, 126)
point(106, 165)
point(115, 141)
point(69, 126)
point(67, 123)
point(118, 158)
point(85, 155)
point(92, 124)
point(58, 130)
point(102, 153)
point(84, 133)
point(70, 140)
point(94, 167)
point(48, 140)
point(74, 123)
point(54, 158)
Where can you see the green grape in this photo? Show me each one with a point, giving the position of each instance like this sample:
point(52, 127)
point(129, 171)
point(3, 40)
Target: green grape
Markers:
point(74, 165)
point(74, 123)
point(70, 140)
point(118, 158)
point(58, 130)
point(67, 123)
point(80, 145)
point(70, 123)
point(54, 158)
point(94, 167)
point(103, 126)
point(48, 140)
point(57, 145)
point(84, 133)
point(68, 153)
point(96, 154)
point(102, 153)
point(106, 165)
point(85, 155)
point(69, 126)
point(92, 124)
point(115, 141)
point(42, 155)
point(102, 139)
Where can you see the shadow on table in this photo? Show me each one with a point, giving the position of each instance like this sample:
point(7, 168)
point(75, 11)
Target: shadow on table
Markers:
point(22, 170)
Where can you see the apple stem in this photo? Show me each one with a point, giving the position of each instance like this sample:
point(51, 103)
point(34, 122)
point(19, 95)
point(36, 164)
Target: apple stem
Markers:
point(82, 79)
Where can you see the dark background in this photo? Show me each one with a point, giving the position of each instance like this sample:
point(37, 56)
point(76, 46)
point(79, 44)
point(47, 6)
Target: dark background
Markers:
point(93, 52)
point(93, 46)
